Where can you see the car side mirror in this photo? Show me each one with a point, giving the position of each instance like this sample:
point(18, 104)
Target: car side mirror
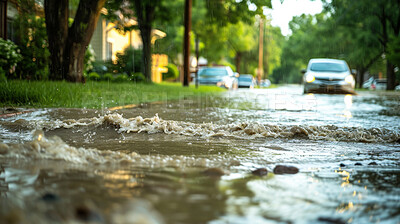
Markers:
point(236, 75)
point(354, 71)
point(303, 71)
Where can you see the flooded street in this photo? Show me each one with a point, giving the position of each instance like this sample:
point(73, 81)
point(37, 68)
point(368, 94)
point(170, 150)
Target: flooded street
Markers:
point(203, 160)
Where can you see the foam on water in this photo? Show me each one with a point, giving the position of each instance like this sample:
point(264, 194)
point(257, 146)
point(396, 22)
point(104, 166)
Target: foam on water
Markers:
point(54, 148)
point(238, 130)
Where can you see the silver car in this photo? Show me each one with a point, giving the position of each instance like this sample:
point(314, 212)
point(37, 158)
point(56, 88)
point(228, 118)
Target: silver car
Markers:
point(221, 76)
point(328, 76)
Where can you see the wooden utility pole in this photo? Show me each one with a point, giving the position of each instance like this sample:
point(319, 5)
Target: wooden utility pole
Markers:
point(197, 62)
point(3, 19)
point(260, 70)
point(186, 42)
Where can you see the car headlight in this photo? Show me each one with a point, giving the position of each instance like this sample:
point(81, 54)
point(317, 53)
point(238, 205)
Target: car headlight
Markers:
point(349, 79)
point(310, 78)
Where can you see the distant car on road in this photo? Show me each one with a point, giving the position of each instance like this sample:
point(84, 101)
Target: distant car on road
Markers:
point(221, 76)
point(367, 84)
point(265, 83)
point(378, 84)
point(246, 81)
point(325, 75)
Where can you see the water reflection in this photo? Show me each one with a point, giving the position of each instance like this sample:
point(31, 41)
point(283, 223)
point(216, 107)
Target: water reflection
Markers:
point(348, 101)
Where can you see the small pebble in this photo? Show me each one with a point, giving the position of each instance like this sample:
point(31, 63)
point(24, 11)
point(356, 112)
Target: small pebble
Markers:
point(372, 163)
point(280, 169)
point(86, 214)
point(260, 172)
point(4, 148)
point(49, 197)
point(342, 165)
point(358, 164)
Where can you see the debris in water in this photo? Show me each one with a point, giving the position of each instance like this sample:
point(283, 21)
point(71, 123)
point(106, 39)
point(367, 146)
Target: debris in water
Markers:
point(342, 165)
point(260, 172)
point(358, 164)
point(87, 213)
point(372, 164)
point(214, 172)
point(280, 169)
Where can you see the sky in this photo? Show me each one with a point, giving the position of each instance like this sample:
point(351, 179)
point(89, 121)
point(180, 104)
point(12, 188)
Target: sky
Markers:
point(282, 14)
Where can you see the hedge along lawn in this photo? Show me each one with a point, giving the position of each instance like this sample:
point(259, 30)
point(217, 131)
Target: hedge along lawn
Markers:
point(96, 95)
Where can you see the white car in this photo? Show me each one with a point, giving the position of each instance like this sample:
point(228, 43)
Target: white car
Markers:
point(325, 75)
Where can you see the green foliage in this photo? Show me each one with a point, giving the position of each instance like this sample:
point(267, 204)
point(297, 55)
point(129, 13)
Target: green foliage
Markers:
point(372, 26)
point(172, 73)
point(121, 78)
point(241, 38)
point(3, 77)
point(226, 63)
point(9, 56)
point(93, 76)
point(138, 77)
point(209, 18)
point(89, 59)
point(129, 61)
point(32, 40)
point(107, 77)
point(100, 67)
point(394, 51)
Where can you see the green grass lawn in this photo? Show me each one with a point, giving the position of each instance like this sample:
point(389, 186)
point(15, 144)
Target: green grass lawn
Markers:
point(93, 94)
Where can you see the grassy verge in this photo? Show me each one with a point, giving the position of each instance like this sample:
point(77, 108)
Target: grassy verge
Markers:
point(93, 94)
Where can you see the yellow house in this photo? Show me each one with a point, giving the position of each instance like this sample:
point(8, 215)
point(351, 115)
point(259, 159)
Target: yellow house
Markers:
point(107, 41)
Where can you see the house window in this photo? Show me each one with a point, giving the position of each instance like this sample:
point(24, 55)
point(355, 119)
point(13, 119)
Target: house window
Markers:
point(109, 50)
point(10, 30)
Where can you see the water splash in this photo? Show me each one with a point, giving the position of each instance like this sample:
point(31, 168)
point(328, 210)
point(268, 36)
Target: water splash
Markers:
point(237, 130)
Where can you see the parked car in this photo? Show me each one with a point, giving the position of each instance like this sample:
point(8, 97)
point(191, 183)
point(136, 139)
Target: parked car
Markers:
point(222, 76)
point(367, 84)
point(265, 83)
point(246, 81)
point(325, 75)
point(378, 84)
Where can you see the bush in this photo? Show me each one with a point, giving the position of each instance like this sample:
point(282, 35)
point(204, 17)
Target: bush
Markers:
point(99, 67)
point(121, 78)
point(107, 77)
point(172, 73)
point(3, 77)
point(9, 56)
point(89, 59)
point(129, 61)
point(32, 41)
point(93, 76)
point(138, 77)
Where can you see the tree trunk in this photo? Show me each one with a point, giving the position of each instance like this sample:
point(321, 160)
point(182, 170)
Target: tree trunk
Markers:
point(238, 58)
point(145, 13)
point(67, 46)
point(145, 33)
point(360, 76)
point(391, 76)
point(56, 16)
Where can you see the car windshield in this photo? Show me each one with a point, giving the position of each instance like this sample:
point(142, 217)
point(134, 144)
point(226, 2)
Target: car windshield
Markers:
point(328, 67)
point(213, 72)
point(245, 78)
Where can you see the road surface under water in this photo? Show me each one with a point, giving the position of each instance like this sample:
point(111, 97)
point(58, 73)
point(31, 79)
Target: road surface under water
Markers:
point(192, 161)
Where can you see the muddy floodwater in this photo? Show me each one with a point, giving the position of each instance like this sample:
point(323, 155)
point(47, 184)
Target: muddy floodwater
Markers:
point(207, 160)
